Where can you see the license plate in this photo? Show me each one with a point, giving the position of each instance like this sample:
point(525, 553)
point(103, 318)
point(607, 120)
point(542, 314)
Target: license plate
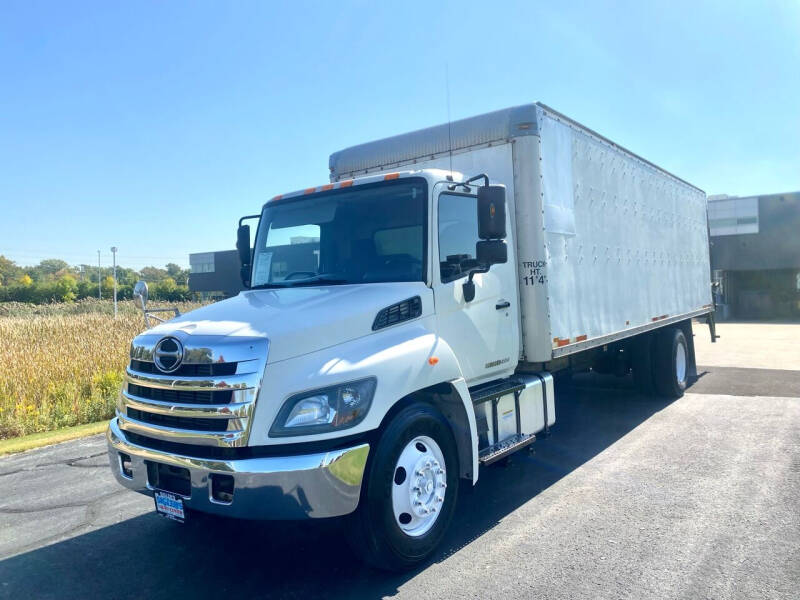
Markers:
point(170, 505)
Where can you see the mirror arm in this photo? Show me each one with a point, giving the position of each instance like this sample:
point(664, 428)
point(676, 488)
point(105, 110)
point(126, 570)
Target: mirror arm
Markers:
point(248, 217)
point(469, 285)
point(483, 176)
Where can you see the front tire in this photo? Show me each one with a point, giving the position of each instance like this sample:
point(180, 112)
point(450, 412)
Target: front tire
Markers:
point(409, 491)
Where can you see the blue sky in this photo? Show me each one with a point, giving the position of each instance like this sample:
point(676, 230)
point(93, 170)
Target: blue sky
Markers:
point(154, 125)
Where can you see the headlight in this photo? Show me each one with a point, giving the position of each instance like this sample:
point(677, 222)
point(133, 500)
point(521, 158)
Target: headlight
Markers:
point(326, 409)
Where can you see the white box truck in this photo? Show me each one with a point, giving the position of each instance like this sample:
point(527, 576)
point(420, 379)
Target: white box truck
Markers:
point(402, 324)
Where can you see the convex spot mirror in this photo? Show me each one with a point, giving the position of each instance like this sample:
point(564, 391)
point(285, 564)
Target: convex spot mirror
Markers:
point(491, 252)
point(140, 295)
point(492, 212)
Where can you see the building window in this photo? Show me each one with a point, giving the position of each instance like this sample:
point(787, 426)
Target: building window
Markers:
point(733, 216)
point(201, 262)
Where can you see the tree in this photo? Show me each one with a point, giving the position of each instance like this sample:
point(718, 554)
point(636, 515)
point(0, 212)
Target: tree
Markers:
point(108, 286)
point(47, 269)
point(66, 288)
point(181, 276)
point(9, 271)
point(153, 274)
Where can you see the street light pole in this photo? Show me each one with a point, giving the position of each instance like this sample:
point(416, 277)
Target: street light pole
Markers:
point(99, 289)
point(114, 253)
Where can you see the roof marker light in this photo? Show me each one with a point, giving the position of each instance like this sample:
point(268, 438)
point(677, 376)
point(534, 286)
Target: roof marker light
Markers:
point(391, 176)
point(346, 183)
point(310, 190)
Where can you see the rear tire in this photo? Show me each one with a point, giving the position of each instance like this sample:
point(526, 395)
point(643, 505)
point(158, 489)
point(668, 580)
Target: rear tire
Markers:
point(671, 361)
point(415, 455)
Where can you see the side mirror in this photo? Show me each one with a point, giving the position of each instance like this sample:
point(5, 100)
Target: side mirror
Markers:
point(140, 295)
point(243, 246)
point(491, 252)
point(492, 249)
point(488, 252)
point(492, 212)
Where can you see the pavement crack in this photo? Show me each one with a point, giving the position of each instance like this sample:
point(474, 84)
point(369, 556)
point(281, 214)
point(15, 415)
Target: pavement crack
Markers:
point(36, 509)
point(77, 466)
point(67, 462)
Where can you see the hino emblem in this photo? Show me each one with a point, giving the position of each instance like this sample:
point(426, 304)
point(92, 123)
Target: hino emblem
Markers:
point(168, 354)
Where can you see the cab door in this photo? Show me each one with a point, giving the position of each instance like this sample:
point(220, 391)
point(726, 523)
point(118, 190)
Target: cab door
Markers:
point(483, 332)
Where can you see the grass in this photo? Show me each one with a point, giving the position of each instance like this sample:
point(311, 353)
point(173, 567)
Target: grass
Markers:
point(37, 440)
point(61, 365)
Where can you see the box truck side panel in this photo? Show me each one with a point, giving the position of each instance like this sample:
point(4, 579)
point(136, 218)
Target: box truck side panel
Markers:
point(626, 244)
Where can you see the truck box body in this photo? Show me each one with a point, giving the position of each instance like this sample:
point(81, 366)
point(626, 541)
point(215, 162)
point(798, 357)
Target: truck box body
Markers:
point(608, 244)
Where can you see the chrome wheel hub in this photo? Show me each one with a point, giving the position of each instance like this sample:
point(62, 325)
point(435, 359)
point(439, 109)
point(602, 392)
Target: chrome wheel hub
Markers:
point(680, 362)
point(419, 486)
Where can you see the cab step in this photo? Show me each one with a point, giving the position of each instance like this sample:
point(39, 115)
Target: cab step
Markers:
point(495, 391)
point(497, 451)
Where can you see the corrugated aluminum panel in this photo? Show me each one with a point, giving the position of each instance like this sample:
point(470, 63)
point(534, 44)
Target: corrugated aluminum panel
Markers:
point(625, 245)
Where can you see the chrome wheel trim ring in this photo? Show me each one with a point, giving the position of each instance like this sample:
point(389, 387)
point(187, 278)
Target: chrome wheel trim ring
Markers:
point(680, 362)
point(419, 485)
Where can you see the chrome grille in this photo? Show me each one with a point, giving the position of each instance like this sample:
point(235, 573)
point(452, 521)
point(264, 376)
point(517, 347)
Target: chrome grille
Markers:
point(209, 402)
point(190, 423)
point(180, 396)
point(203, 370)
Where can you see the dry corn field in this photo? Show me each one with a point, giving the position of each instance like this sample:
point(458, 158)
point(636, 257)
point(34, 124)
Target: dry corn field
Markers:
point(62, 365)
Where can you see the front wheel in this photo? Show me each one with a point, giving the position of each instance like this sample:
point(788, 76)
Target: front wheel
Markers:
point(409, 491)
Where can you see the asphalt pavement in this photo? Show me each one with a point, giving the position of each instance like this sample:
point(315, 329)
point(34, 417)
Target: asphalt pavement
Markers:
point(629, 497)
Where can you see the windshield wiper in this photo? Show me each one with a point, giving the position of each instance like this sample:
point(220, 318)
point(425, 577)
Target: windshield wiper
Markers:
point(322, 279)
point(318, 279)
point(269, 286)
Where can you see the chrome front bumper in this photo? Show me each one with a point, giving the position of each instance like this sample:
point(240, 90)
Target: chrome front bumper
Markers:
point(326, 484)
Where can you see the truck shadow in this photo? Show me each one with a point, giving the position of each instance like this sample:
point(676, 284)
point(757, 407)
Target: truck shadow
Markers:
point(149, 557)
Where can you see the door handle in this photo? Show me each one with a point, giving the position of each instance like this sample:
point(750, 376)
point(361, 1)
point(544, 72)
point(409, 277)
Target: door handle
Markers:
point(501, 304)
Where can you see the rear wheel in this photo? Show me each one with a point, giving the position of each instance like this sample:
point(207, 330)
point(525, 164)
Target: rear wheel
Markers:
point(409, 491)
point(671, 360)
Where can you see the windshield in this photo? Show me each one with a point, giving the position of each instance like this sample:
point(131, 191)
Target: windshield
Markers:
point(364, 234)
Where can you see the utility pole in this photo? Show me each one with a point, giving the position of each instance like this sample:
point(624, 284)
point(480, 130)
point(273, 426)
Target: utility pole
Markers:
point(99, 289)
point(114, 254)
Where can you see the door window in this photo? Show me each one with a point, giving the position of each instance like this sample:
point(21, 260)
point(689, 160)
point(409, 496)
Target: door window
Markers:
point(458, 234)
